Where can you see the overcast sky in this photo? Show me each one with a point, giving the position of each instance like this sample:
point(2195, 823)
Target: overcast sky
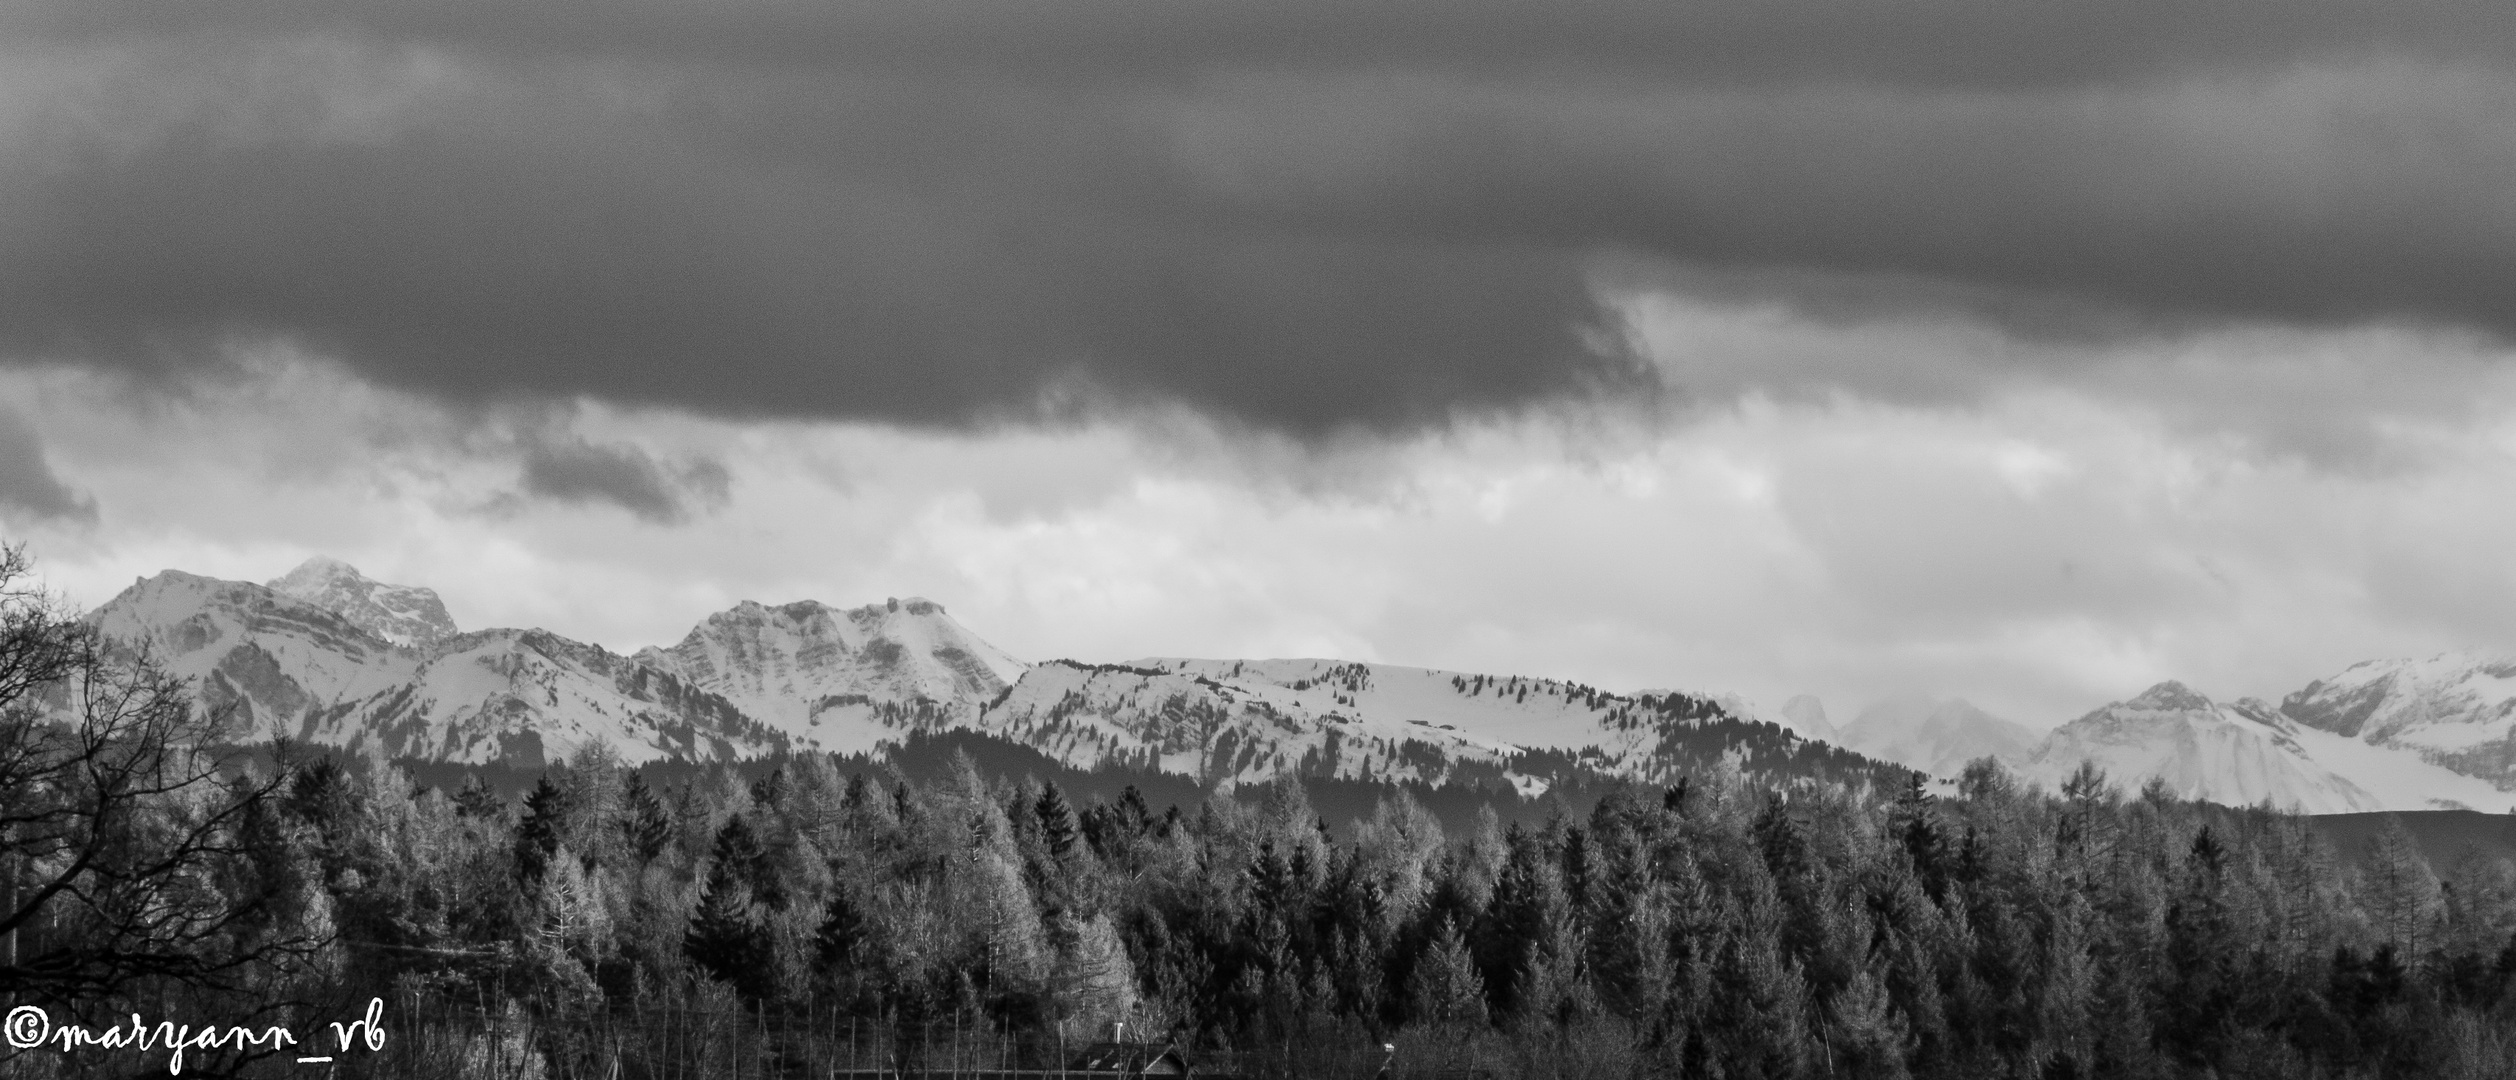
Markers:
point(2026, 352)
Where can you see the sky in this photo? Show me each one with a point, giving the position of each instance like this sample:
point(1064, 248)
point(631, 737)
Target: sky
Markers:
point(2029, 353)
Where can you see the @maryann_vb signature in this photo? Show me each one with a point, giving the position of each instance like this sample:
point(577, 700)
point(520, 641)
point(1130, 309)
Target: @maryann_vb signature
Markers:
point(29, 1027)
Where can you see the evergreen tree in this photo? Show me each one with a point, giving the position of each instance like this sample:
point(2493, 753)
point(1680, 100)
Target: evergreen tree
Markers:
point(1579, 870)
point(1445, 987)
point(323, 795)
point(1056, 822)
point(476, 801)
point(739, 844)
point(645, 823)
point(726, 939)
point(2197, 999)
point(1132, 812)
point(1924, 840)
point(538, 835)
point(769, 792)
point(2404, 894)
point(1525, 898)
point(840, 942)
point(1867, 1037)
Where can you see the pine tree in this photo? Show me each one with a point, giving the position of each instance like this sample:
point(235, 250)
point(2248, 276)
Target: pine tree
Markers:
point(1525, 894)
point(738, 846)
point(1867, 1036)
point(644, 821)
point(2404, 895)
point(1629, 930)
point(476, 801)
point(1924, 841)
point(1056, 821)
point(1445, 987)
point(769, 791)
point(539, 835)
point(2197, 998)
point(1580, 872)
point(840, 942)
point(323, 795)
point(725, 938)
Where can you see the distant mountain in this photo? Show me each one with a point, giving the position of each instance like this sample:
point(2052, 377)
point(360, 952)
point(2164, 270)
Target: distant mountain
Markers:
point(830, 677)
point(401, 614)
point(1243, 720)
point(1807, 715)
point(2456, 711)
point(1933, 735)
point(757, 679)
point(1240, 721)
point(274, 661)
point(2239, 755)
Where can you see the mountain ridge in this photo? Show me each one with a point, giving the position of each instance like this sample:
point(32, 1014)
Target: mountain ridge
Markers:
point(401, 614)
point(760, 678)
point(2455, 710)
point(326, 654)
point(2236, 754)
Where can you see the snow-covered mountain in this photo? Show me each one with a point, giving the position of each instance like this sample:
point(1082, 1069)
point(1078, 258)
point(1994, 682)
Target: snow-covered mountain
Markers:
point(2457, 711)
point(2396, 735)
point(754, 679)
point(330, 655)
point(2240, 755)
point(1230, 721)
point(401, 614)
point(277, 662)
point(1934, 735)
point(1807, 715)
point(1240, 721)
point(831, 678)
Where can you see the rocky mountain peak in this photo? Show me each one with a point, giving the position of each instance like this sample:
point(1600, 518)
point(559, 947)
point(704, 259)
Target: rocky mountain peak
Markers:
point(2456, 710)
point(2171, 696)
point(401, 614)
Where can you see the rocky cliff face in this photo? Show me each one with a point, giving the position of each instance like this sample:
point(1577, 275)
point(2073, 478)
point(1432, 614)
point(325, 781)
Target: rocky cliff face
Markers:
point(401, 614)
point(2457, 711)
point(275, 663)
point(838, 678)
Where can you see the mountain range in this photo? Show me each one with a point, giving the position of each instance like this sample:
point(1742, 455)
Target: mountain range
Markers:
point(2385, 735)
point(1934, 735)
point(328, 656)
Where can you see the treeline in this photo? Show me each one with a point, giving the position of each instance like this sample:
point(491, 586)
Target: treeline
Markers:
point(1712, 928)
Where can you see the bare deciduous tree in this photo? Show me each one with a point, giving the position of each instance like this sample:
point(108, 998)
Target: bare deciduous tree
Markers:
point(126, 855)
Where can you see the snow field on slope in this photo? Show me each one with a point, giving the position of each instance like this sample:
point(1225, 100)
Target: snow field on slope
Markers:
point(2398, 778)
point(1412, 702)
point(2216, 755)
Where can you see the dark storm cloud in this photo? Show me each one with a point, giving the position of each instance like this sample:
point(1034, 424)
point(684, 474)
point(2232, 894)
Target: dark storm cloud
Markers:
point(566, 468)
point(27, 483)
point(2003, 43)
point(1304, 217)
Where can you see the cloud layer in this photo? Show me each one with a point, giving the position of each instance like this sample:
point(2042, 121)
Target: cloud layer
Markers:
point(1300, 217)
point(2021, 351)
point(2035, 551)
point(28, 487)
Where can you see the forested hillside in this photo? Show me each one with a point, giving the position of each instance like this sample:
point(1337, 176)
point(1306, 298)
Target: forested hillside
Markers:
point(1705, 929)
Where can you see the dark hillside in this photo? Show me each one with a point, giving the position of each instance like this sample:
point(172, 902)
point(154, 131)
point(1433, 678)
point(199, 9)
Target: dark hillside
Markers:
point(2444, 835)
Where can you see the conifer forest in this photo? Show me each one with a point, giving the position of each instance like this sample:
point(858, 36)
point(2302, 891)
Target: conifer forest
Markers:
point(818, 916)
